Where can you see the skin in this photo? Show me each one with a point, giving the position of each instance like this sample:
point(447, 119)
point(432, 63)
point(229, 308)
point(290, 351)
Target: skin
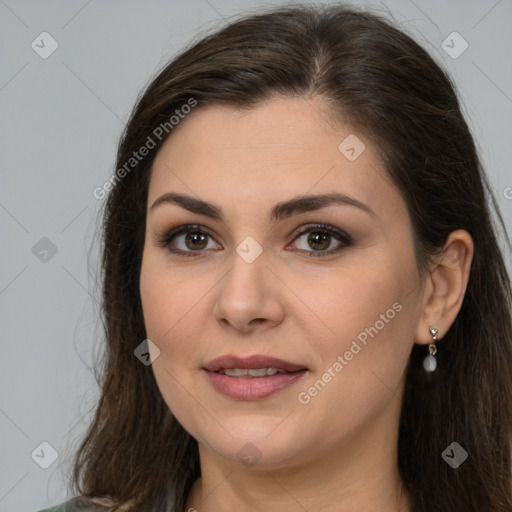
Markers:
point(306, 310)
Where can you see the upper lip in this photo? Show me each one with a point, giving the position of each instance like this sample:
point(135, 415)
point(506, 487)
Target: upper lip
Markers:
point(255, 361)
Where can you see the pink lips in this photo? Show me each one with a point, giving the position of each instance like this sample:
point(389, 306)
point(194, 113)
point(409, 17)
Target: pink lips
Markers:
point(252, 388)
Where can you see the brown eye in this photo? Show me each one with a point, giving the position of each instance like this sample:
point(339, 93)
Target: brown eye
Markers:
point(320, 237)
point(318, 240)
point(195, 240)
point(186, 240)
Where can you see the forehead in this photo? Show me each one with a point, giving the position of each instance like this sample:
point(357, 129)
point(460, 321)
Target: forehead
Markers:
point(281, 148)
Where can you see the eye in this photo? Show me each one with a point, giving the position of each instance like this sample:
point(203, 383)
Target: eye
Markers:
point(320, 237)
point(194, 239)
point(191, 240)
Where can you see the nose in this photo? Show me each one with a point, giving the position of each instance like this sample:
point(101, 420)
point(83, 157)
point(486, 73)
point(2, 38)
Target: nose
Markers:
point(249, 297)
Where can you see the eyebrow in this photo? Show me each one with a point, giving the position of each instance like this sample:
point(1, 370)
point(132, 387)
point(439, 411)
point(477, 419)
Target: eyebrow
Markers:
point(280, 211)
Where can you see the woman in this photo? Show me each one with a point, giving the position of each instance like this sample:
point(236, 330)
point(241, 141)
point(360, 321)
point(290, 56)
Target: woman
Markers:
point(305, 303)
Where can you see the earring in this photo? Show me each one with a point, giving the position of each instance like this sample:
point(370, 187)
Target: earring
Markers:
point(430, 362)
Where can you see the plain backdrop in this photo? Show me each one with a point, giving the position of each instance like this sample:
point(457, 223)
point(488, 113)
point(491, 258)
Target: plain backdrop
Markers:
point(61, 118)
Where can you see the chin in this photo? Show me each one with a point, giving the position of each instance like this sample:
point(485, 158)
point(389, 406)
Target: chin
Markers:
point(255, 442)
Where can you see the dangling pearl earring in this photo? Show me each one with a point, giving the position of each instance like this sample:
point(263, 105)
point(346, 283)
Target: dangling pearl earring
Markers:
point(430, 362)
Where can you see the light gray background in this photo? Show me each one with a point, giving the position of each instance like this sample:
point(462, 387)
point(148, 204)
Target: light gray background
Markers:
point(60, 121)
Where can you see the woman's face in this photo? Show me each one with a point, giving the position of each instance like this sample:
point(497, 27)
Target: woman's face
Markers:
point(253, 284)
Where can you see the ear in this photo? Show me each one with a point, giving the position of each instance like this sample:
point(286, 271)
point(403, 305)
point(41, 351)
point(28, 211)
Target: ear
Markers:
point(445, 286)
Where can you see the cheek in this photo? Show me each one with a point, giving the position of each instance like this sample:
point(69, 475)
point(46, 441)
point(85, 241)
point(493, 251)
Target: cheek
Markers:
point(164, 291)
point(352, 299)
point(168, 304)
point(361, 365)
point(167, 301)
point(370, 313)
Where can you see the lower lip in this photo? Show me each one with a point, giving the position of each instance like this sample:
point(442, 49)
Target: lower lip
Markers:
point(252, 388)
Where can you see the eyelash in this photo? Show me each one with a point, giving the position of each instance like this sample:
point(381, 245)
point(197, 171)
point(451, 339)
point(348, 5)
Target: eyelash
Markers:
point(166, 239)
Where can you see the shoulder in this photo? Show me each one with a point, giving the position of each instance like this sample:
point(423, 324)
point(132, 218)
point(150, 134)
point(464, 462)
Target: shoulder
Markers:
point(86, 504)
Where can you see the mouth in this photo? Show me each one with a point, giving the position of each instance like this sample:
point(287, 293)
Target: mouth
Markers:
point(255, 363)
point(252, 373)
point(252, 378)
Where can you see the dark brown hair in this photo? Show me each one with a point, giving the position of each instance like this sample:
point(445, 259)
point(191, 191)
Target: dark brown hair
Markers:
point(386, 86)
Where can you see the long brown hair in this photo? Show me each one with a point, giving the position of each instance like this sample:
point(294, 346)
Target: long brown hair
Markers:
point(386, 85)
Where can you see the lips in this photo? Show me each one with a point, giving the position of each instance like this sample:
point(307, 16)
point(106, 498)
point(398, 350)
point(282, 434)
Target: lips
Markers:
point(252, 378)
point(255, 362)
